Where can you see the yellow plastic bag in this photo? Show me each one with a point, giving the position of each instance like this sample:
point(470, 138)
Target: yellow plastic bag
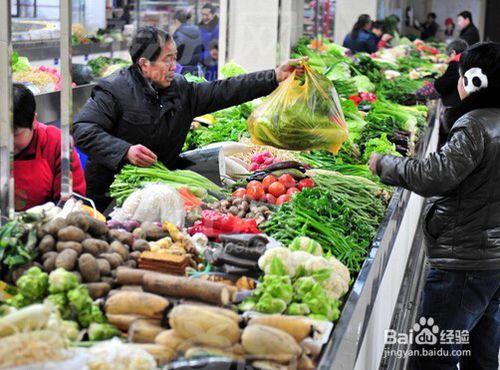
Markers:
point(303, 113)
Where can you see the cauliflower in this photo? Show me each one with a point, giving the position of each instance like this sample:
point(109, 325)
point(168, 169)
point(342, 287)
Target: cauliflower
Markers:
point(298, 259)
point(335, 286)
point(281, 252)
point(303, 243)
point(339, 269)
point(317, 263)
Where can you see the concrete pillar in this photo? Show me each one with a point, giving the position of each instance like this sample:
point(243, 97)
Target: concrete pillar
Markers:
point(346, 14)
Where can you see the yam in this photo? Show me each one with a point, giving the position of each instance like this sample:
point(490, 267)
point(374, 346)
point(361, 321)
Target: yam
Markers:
point(122, 236)
point(130, 263)
point(67, 259)
point(144, 330)
point(122, 322)
point(98, 290)
point(161, 354)
point(266, 340)
point(89, 268)
point(114, 259)
point(71, 234)
point(53, 226)
point(49, 263)
point(141, 245)
point(79, 219)
point(136, 256)
point(136, 303)
point(118, 247)
point(47, 244)
point(95, 247)
point(297, 326)
point(104, 266)
point(77, 247)
point(169, 339)
point(183, 287)
point(129, 276)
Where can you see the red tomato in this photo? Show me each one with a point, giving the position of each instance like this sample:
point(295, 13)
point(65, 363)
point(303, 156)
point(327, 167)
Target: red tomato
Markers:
point(254, 183)
point(277, 189)
point(268, 180)
point(283, 199)
point(240, 193)
point(271, 199)
point(306, 183)
point(255, 192)
point(287, 180)
point(292, 191)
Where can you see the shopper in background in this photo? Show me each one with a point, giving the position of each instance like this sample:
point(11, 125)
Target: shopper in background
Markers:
point(211, 69)
point(429, 28)
point(187, 37)
point(446, 86)
point(209, 27)
point(449, 28)
point(469, 31)
point(361, 39)
point(462, 222)
point(37, 156)
point(382, 38)
point(142, 114)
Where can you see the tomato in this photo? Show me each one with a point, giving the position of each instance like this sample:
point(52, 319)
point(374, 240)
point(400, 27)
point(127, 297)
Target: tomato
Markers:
point(306, 183)
point(240, 193)
point(254, 191)
point(277, 189)
point(271, 199)
point(292, 191)
point(287, 180)
point(268, 180)
point(283, 199)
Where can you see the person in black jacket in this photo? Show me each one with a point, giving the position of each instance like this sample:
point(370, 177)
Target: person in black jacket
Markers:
point(462, 222)
point(469, 31)
point(446, 86)
point(142, 114)
point(429, 28)
point(187, 37)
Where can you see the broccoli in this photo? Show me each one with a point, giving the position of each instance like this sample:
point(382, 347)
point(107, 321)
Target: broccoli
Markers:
point(61, 281)
point(60, 301)
point(79, 298)
point(91, 315)
point(102, 331)
point(33, 284)
point(18, 301)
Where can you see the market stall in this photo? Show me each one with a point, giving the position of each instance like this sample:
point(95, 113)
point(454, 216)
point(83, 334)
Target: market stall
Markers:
point(287, 253)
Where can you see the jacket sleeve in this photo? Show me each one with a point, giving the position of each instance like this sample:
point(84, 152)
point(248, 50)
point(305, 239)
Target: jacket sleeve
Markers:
point(209, 97)
point(448, 81)
point(93, 129)
point(371, 44)
point(441, 171)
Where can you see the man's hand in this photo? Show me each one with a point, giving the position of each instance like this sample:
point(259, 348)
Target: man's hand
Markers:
point(285, 70)
point(374, 158)
point(141, 156)
point(386, 37)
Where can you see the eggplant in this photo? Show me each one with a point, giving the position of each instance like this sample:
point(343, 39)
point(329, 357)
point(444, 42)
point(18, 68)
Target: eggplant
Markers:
point(285, 165)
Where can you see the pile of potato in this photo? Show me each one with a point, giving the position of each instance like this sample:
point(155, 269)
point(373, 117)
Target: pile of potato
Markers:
point(89, 249)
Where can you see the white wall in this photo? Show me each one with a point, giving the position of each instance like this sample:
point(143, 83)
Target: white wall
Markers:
point(253, 33)
point(346, 14)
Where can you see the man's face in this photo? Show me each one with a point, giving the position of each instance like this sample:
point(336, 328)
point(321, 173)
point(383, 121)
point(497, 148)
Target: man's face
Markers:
point(430, 19)
point(161, 71)
point(22, 138)
point(206, 15)
point(462, 22)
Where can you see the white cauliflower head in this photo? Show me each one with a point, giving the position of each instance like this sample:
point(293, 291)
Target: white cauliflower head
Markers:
point(339, 269)
point(316, 263)
point(298, 259)
point(335, 286)
point(281, 252)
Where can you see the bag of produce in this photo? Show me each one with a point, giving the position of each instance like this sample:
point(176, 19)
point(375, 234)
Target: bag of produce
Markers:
point(303, 113)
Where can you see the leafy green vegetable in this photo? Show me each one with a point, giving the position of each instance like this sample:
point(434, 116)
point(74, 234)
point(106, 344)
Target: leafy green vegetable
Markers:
point(102, 332)
point(196, 79)
point(19, 64)
point(379, 145)
point(100, 64)
point(298, 309)
point(232, 69)
point(92, 314)
point(363, 83)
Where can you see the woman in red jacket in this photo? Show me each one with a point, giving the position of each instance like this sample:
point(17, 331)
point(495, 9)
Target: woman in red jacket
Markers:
point(37, 156)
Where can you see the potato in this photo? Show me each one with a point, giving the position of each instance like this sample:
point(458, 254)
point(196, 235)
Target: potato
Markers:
point(48, 255)
point(52, 227)
point(139, 233)
point(135, 256)
point(131, 264)
point(49, 263)
point(78, 276)
point(141, 245)
point(98, 290)
point(71, 234)
point(152, 231)
point(47, 244)
point(67, 259)
point(122, 236)
point(40, 233)
point(77, 247)
point(108, 280)
point(104, 266)
point(97, 228)
point(95, 247)
point(89, 268)
point(79, 219)
point(114, 259)
point(118, 247)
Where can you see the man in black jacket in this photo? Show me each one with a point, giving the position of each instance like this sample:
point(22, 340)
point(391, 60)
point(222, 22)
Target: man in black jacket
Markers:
point(462, 222)
point(469, 31)
point(429, 28)
point(143, 113)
